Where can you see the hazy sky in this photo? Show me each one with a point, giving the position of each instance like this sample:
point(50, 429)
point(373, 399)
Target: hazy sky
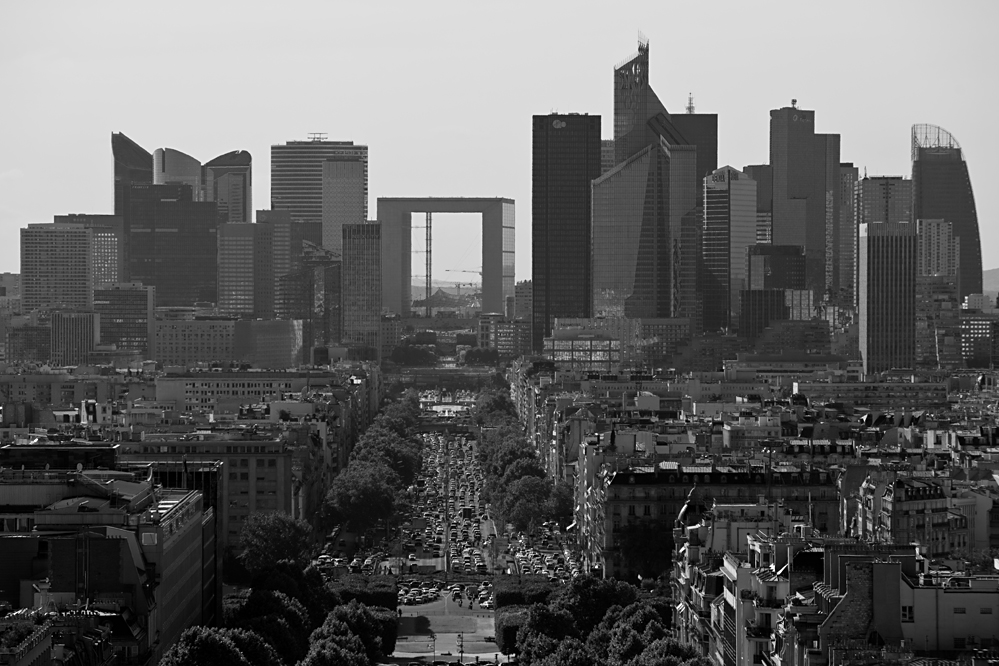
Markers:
point(443, 93)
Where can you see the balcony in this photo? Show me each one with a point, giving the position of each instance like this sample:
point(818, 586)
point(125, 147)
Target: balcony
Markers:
point(757, 632)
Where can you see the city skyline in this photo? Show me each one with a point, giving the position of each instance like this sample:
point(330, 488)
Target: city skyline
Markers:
point(478, 104)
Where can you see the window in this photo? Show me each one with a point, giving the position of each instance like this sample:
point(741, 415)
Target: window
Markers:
point(958, 610)
point(646, 510)
point(244, 476)
point(907, 614)
point(232, 476)
point(631, 509)
point(985, 610)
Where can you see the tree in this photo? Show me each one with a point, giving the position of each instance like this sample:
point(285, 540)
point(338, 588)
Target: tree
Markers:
point(562, 502)
point(481, 356)
point(589, 599)
point(256, 650)
point(277, 618)
point(269, 537)
point(363, 623)
point(362, 494)
point(204, 645)
point(523, 502)
point(570, 652)
point(304, 585)
point(327, 653)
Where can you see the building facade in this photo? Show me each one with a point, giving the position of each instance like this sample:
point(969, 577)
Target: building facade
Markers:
point(362, 285)
point(566, 157)
point(345, 190)
point(246, 271)
point(887, 284)
point(57, 267)
point(729, 232)
point(228, 182)
point(128, 318)
point(297, 175)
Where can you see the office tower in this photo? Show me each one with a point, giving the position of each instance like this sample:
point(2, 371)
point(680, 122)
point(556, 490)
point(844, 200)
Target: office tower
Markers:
point(344, 196)
point(172, 167)
point(362, 289)
point(312, 293)
point(775, 288)
point(108, 244)
point(127, 317)
point(942, 190)
point(297, 174)
point(186, 342)
point(523, 302)
point(631, 241)
point(246, 270)
point(268, 343)
point(763, 174)
point(887, 276)
point(132, 164)
point(74, 336)
point(57, 267)
point(173, 244)
point(884, 199)
point(227, 180)
point(289, 238)
point(806, 192)
point(729, 231)
point(565, 160)
point(938, 307)
point(606, 155)
point(846, 236)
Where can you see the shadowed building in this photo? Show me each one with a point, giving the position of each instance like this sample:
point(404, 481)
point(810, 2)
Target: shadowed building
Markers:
point(172, 167)
point(729, 232)
point(57, 267)
point(132, 164)
point(942, 190)
point(362, 285)
point(246, 272)
point(888, 256)
point(127, 317)
point(565, 158)
point(227, 181)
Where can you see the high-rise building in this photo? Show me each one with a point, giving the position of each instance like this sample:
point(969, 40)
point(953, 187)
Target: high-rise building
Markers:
point(776, 267)
point(523, 303)
point(289, 238)
point(297, 175)
point(227, 180)
point(938, 307)
point(128, 320)
point(566, 158)
point(132, 164)
point(884, 199)
point(186, 342)
point(344, 197)
point(942, 190)
point(312, 294)
point(806, 198)
point(108, 244)
point(729, 232)
point(775, 288)
point(173, 243)
point(74, 336)
point(763, 174)
point(846, 236)
point(631, 266)
point(362, 288)
point(887, 277)
point(606, 155)
point(246, 270)
point(172, 167)
point(57, 267)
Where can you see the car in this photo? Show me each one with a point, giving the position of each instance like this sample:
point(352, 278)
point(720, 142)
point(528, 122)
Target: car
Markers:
point(412, 557)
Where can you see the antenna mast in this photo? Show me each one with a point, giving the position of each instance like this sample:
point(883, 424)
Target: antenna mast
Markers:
point(690, 103)
point(317, 136)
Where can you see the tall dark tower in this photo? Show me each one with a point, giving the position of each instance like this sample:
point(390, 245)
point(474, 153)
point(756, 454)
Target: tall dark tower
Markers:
point(941, 189)
point(132, 164)
point(806, 200)
point(565, 160)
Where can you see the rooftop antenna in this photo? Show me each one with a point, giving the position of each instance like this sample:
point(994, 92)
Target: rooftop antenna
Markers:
point(317, 136)
point(794, 104)
point(690, 103)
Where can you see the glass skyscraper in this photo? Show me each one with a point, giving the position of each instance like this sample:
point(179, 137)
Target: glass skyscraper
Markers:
point(228, 182)
point(297, 175)
point(566, 158)
point(942, 190)
point(887, 288)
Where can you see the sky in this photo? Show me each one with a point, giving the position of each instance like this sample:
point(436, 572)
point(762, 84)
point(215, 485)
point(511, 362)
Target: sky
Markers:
point(443, 92)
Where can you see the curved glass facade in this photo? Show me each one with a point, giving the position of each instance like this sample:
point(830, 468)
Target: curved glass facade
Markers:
point(942, 190)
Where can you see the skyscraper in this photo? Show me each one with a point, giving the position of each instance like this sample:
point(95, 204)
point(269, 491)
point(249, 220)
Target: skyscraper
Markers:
point(297, 174)
point(846, 236)
point(344, 195)
point(942, 190)
point(228, 181)
point(57, 267)
point(246, 270)
point(108, 244)
point(938, 307)
point(173, 244)
point(362, 285)
point(887, 307)
point(74, 336)
point(132, 164)
point(806, 187)
point(763, 174)
point(729, 231)
point(884, 199)
point(172, 167)
point(313, 294)
point(566, 158)
point(127, 317)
